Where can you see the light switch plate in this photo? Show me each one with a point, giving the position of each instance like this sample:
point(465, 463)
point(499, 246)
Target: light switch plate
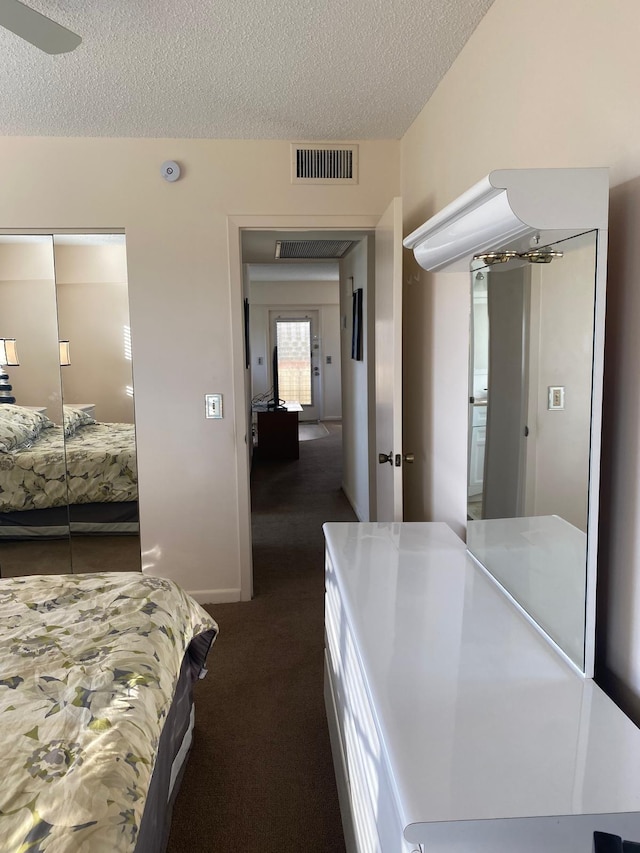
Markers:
point(213, 405)
point(556, 397)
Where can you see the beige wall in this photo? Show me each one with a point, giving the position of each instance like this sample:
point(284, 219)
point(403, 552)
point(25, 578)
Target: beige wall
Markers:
point(178, 264)
point(539, 84)
point(28, 314)
point(85, 303)
point(357, 390)
point(562, 298)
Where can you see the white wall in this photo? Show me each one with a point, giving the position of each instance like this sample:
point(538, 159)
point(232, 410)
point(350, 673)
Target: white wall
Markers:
point(292, 295)
point(178, 261)
point(579, 64)
point(357, 390)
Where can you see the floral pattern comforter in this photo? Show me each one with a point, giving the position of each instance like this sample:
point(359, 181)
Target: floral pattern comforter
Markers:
point(99, 461)
point(88, 667)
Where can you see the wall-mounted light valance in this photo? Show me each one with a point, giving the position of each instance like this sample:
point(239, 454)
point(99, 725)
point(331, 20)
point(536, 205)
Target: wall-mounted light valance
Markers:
point(512, 209)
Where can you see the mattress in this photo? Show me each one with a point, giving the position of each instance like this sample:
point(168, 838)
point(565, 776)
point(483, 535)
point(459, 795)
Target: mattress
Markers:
point(96, 674)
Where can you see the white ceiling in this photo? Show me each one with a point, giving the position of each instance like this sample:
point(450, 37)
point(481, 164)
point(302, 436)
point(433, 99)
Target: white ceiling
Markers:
point(254, 69)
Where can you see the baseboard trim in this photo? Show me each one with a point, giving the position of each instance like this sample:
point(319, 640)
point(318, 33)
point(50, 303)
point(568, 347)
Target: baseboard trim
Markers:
point(360, 516)
point(215, 596)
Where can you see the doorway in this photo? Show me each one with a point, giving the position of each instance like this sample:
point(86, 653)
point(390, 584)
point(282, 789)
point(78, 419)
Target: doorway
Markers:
point(356, 381)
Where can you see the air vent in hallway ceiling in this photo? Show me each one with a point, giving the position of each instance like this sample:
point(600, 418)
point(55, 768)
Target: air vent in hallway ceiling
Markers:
point(324, 164)
point(312, 249)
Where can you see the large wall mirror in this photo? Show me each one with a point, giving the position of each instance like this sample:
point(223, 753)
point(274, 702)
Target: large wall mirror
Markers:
point(68, 473)
point(531, 363)
point(535, 243)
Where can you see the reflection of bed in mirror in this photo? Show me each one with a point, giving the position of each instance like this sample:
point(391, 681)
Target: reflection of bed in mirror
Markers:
point(64, 300)
point(82, 477)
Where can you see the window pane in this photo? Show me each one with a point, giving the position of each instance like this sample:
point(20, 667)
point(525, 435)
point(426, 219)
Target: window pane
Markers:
point(294, 360)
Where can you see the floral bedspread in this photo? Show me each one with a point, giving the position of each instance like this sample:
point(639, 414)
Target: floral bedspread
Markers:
point(88, 667)
point(100, 461)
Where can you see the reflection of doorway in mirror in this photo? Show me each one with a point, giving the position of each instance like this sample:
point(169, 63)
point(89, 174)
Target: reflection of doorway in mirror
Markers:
point(539, 323)
point(531, 531)
point(478, 384)
point(505, 453)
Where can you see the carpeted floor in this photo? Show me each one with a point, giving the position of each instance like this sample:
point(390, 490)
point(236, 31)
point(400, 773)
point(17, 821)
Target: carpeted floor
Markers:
point(59, 556)
point(310, 432)
point(260, 776)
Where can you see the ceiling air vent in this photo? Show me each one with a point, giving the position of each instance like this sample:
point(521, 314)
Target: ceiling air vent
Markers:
point(324, 164)
point(311, 249)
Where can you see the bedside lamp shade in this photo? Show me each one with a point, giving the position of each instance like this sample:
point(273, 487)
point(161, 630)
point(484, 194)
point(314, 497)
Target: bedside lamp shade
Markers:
point(65, 355)
point(8, 352)
point(8, 358)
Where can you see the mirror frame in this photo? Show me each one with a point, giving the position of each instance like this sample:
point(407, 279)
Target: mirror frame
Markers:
point(504, 212)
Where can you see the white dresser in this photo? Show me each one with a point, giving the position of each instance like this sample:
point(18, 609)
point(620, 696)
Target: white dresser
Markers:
point(455, 726)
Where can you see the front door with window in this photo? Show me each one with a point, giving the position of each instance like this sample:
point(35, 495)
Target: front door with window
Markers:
point(295, 333)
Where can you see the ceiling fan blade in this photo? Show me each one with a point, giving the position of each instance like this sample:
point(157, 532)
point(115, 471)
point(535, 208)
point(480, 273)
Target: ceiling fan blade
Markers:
point(37, 29)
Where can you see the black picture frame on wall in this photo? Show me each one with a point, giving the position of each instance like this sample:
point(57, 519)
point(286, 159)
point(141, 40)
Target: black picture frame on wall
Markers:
point(356, 333)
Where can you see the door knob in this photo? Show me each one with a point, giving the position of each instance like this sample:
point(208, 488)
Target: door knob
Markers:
point(385, 457)
point(409, 458)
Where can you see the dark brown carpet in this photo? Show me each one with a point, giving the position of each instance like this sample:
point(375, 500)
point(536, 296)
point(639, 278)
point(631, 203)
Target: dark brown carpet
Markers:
point(260, 777)
point(59, 556)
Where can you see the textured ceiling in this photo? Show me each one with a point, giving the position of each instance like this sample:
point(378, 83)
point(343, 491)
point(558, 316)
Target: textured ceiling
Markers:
point(243, 69)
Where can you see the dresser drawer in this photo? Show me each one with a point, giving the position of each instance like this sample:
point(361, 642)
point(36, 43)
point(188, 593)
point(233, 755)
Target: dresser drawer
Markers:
point(374, 815)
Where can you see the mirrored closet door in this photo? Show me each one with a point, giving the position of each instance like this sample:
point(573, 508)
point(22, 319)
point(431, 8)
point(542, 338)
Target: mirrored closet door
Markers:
point(68, 473)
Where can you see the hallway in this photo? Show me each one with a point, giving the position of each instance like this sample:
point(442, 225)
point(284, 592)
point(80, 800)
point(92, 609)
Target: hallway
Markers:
point(260, 776)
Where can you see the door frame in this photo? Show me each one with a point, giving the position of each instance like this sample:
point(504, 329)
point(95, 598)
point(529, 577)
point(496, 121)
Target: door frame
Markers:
point(235, 225)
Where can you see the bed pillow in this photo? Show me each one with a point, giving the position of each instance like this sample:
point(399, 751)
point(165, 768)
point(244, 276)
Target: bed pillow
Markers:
point(14, 436)
point(20, 427)
point(30, 418)
point(74, 418)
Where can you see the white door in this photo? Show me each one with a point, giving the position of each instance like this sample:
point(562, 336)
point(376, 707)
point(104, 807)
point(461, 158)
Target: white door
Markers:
point(295, 333)
point(388, 363)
